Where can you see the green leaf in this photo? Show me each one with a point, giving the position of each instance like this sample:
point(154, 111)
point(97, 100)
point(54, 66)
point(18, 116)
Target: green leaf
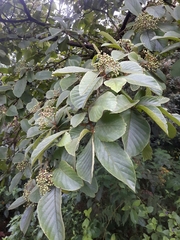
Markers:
point(18, 157)
point(70, 69)
point(66, 82)
point(130, 67)
point(133, 6)
point(33, 131)
point(14, 182)
point(171, 130)
point(12, 111)
point(49, 215)
point(90, 189)
point(3, 152)
point(106, 101)
point(176, 12)
point(88, 82)
point(44, 145)
point(149, 41)
point(147, 152)
point(66, 178)
point(157, 116)
point(116, 161)
point(64, 140)
point(5, 60)
point(72, 146)
point(115, 84)
point(62, 97)
point(26, 219)
point(171, 35)
point(156, 11)
point(110, 127)
point(3, 100)
point(174, 117)
point(5, 88)
point(123, 104)
point(109, 37)
point(175, 69)
point(77, 100)
point(85, 162)
point(171, 47)
point(43, 75)
point(137, 134)
point(117, 55)
point(153, 101)
point(34, 195)
point(77, 119)
point(18, 202)
point(134, 216)
point(144, 80)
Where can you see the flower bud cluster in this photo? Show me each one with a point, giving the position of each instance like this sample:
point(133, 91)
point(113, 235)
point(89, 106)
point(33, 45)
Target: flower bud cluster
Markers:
point(50, 103)
point(22, 165)
point(27, 189)
point(46, 117)
point(106, 63)
point(35, 108)
point(163, 172)
point(145, 21)
point(44, 181)
point(56, 93)
point(151, 62)
point(126, 45)
point(3, 109)
point(155, 2)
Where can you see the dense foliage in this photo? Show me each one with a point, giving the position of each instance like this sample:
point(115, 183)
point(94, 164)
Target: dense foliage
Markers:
point(83, 107)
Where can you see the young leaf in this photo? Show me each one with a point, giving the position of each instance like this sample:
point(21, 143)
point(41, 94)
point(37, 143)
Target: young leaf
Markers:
point(66, 178)
point(49, 215)
point(115, 84)
point(85, 162)
point(174, 117)
point(77, 119)
point(116, 161)
point(70, 69)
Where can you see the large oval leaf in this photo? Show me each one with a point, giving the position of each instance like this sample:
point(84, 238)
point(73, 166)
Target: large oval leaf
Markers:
point(116, 161)
point(137, 134)
point(70, 69)
point(85, 162)
point(49, 215)
point(110, 127)
point(88, 82)
point(66, 178)
point(19, 87)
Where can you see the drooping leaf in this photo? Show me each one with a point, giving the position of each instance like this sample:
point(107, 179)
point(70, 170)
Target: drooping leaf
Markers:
point(18, 202)
point(77, 100)
point(171, 130)
point(66, 178)
point(110, 127)
point(106, 101)
point(85, 162)
point(156, 115)
point(90, 189)
point(77, 119)
point(174, 117)
point(72, 146)
point(14, 182)
point(109, 37)
point(116, 161)
point(44, 145)
point(147, 152)
point(148, 40)
point(26, 219)
point(137, 133)
point(116, 84)
point(88, 82)
point(133, 6)
point(20, 87)
point(49, 215)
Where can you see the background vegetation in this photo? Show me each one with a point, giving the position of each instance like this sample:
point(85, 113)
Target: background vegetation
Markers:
point(89, 119)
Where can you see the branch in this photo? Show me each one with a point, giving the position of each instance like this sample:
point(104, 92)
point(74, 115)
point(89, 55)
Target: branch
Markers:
point(50, 5)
